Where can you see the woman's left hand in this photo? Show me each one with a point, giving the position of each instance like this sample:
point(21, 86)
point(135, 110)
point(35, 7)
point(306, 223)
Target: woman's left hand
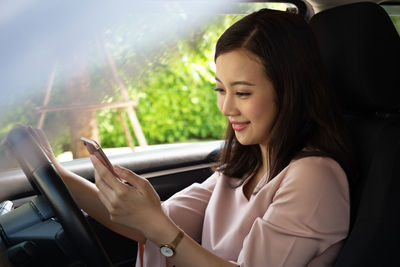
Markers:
point(136, 205)
point(139, 207)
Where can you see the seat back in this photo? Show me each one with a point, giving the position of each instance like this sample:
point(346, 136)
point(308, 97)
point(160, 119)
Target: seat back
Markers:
point(360, 49)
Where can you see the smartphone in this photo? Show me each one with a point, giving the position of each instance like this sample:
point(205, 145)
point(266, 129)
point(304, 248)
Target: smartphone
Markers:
point(95, 149)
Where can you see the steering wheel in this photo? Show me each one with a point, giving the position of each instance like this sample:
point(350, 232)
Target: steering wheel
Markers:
point(45, 180)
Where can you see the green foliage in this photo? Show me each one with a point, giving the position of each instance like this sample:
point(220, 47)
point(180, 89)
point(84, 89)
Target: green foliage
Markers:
point(175, 90)
point(396, 22)
point(173, 83)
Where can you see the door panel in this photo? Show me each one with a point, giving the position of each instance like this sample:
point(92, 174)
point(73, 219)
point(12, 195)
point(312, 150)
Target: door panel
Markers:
point(168, 169)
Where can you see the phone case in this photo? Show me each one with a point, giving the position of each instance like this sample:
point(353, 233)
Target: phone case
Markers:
point(95, 149)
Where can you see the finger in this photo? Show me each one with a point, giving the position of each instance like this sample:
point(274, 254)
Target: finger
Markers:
point(108, 205)
point(39, 136)
point(31, 130)
point(99, 182)
point(36, 136)
point(106, 191)
point(117, 190)
point(42, 137)
point(131, 177)
point(34, 133)
point(113, 213)
point(110, 199)
point(105, 174)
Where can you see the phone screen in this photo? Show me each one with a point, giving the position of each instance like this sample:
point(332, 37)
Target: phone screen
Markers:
point(95, 149)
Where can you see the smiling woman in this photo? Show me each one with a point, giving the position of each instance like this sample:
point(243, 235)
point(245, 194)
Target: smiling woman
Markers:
point(280, 195)
point(274, 193)
point(245, 96)
point(296, 120)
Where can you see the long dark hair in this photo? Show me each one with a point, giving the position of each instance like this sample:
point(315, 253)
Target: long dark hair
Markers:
point(307, 114)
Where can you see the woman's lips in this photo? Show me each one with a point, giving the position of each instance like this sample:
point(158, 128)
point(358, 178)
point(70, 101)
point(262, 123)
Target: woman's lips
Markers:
point(239, 126)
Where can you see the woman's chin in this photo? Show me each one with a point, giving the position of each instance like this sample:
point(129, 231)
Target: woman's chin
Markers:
point(244, 142)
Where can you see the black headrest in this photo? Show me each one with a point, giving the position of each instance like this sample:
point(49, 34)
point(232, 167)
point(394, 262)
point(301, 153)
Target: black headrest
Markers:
point(360, 48)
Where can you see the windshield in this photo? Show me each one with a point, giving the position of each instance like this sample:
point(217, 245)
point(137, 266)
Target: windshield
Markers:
point(393, 11)
point(134, 76)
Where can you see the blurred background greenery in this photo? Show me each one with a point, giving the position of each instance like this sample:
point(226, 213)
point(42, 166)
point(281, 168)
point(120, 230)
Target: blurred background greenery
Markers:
point(172, 81)
point(173, 84)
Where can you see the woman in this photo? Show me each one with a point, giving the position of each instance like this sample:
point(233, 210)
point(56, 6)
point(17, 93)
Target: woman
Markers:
point(279, 196)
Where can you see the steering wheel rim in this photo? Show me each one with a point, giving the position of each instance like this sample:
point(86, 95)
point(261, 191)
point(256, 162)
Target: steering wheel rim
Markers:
point(45, 180)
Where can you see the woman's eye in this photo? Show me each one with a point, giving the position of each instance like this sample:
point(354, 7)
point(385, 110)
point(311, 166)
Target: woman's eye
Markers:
point(243, 93)
point(219, 90)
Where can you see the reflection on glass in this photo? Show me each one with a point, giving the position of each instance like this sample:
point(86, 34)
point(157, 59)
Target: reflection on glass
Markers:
point(117, 74)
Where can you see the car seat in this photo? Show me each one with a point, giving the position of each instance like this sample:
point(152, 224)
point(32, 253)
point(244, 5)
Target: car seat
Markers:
point(360, 49)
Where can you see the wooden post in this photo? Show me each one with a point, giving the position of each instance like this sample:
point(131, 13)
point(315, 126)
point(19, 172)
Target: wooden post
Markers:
point(127, 133)
point(47, 97)
point(87, 106)
point(124, 92)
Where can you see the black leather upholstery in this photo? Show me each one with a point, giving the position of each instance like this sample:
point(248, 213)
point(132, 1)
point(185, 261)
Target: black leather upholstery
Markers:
point(361, 51)
point(360, 47)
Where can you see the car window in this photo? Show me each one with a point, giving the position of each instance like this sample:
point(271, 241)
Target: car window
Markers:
point(394, 13)
point(131, 77)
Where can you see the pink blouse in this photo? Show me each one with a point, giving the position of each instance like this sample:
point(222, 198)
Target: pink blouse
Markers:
point(299, 218)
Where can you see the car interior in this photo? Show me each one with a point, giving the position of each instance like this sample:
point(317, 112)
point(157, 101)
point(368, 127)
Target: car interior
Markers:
point(40, 224)
point(363, 72)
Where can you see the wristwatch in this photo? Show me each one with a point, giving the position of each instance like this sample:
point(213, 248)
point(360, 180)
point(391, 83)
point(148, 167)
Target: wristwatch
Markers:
point(168, 250)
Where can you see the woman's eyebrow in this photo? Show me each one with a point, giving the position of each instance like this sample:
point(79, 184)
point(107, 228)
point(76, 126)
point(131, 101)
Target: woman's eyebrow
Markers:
point(242, 83)
point(237, 82)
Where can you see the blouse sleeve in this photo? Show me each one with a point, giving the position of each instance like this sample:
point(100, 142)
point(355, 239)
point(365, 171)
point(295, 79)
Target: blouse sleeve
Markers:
point(187, 207)
point(309, 215)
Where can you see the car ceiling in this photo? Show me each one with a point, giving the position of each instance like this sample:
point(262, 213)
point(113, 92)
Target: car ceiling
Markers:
point(320, 5)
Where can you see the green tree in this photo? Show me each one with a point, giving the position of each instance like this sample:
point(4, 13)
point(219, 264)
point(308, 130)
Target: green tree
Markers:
point(177, 102)
point(174, 84)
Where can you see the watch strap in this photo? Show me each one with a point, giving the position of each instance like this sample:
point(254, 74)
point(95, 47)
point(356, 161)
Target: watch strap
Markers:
point(168, 250)
point(178, 239)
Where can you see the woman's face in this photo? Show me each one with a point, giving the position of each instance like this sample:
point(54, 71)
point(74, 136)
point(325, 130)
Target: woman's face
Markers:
point(245, 96)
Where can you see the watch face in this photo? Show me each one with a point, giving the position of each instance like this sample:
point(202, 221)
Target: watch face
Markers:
point(167, 251)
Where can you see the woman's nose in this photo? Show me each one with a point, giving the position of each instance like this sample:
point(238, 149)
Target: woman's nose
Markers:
point(228, 106)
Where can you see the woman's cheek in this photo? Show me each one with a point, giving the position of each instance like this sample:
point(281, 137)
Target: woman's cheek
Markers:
point(220, 102)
